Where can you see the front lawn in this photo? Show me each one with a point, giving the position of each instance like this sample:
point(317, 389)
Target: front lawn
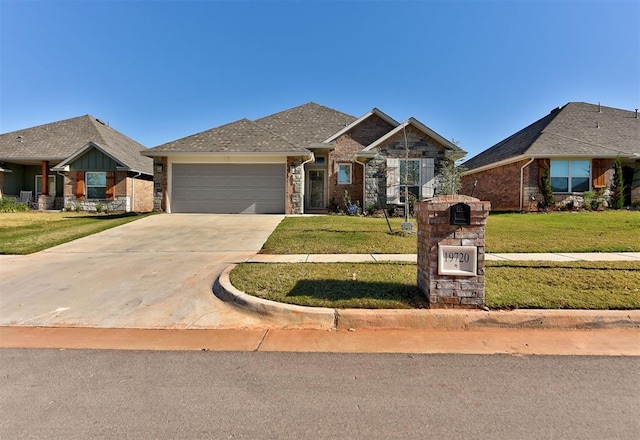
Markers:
point(574, 285)
point(609, 231)
point(27, 232)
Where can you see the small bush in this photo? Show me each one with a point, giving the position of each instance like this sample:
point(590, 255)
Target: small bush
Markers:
point(11, 205)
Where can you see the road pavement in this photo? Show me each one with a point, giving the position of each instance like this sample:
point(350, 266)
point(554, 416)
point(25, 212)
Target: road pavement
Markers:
point(80, 394)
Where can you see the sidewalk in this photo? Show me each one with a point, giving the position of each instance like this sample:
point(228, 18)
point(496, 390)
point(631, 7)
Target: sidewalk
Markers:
point(368, 258)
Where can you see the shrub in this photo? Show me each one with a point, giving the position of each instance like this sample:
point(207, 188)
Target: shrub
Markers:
point(548, 200)
point(8, 204)
point(617, 187)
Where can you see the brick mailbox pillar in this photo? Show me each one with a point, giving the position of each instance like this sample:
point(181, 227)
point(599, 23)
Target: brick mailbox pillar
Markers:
point(451, 251)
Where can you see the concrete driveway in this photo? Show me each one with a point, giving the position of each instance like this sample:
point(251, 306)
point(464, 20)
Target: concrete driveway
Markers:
point(155, 272)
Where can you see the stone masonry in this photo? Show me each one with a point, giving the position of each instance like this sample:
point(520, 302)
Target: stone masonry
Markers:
point(434, 228)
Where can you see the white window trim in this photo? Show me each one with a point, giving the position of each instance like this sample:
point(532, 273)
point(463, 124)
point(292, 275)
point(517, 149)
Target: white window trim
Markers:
point(427, 178)
point(350, 165)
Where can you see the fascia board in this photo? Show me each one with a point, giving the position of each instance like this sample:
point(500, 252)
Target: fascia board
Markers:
point(497, 164)
point(224, 153)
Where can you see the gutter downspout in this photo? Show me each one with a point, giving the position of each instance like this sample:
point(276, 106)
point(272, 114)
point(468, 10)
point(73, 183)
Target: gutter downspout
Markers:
point(304, 181)
point(522, 181)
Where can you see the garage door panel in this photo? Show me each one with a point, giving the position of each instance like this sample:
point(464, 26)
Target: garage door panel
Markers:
point(216, 188)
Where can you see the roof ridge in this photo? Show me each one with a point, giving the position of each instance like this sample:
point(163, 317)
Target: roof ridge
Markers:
point(95, 121)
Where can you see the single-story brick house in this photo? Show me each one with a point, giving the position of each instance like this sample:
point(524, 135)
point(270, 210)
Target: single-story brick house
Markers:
point(299, 160)
point(578, 142)
point(79, 160)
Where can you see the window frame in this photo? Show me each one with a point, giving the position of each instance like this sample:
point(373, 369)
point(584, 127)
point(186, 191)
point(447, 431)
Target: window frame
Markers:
point(350, 167)
point(87, 186)
point(571, 175)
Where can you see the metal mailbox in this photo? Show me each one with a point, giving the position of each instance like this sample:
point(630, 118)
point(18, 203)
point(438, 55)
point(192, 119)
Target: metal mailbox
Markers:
point(460, 214)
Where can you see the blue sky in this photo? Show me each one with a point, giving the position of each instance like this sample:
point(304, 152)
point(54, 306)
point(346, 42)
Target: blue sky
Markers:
point(474, 71)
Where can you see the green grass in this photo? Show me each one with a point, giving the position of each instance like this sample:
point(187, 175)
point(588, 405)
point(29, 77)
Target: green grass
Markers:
point(357, 285)
point(574, 285)
point(609, 231)
point(27, 232)
point(339, 234)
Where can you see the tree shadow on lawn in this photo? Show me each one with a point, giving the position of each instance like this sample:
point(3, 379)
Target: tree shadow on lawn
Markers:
point(358, 293)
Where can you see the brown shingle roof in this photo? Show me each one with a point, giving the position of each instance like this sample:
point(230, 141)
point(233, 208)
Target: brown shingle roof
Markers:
point(58, 140)
point(577, 129)
point(308, 124)
point(243, 136)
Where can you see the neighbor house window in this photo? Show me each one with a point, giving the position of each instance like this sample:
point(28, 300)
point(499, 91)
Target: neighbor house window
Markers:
point(96, 185)
point(570, 175)
point(52, 184)
point(344, 173)
point(410, 177)
point(319, 160)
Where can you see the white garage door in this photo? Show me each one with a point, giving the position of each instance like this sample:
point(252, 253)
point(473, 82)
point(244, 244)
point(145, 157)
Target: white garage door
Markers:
point(228, 188)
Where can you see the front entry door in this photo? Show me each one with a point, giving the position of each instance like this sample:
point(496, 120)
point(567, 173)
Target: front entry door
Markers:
point(315, 189)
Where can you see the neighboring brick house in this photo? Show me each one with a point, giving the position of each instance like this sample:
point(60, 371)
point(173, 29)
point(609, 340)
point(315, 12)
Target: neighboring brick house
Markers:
point(76, 161)
point(578, 142)
point(300, 160)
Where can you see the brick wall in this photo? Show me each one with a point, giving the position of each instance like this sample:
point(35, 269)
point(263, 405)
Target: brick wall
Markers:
point(432, 217)
point(347, 146)
point(501, 185)
point(143, 200)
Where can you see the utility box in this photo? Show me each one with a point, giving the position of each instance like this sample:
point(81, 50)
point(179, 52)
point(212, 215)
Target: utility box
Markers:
point(451, 251)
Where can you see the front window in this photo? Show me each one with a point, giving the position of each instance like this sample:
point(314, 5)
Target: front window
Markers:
point(344, 173)
point(96, 185)
point(410, 177)
point(570, 175)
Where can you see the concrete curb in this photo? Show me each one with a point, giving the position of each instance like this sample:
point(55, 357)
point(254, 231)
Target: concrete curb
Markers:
point(291, 316)
point(284, 315)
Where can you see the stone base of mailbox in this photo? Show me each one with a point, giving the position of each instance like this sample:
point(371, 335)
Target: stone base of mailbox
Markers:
point(434, 229)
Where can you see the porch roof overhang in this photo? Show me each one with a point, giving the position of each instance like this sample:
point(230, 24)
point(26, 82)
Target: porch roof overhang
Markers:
point(31, 160)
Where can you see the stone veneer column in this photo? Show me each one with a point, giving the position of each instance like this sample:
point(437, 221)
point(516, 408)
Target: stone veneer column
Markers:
point(434, 229)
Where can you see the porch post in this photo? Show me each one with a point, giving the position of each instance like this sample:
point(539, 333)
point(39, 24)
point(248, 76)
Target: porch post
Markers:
point(45, 177)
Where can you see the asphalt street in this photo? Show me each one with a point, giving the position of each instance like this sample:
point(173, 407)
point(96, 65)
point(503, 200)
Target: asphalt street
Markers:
point(86, 394)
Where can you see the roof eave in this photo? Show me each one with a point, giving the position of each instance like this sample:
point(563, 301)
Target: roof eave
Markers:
point(497, 164)
point(225, 153)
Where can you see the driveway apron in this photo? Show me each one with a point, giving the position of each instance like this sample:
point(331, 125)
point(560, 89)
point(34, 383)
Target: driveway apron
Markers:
point(156, 272)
